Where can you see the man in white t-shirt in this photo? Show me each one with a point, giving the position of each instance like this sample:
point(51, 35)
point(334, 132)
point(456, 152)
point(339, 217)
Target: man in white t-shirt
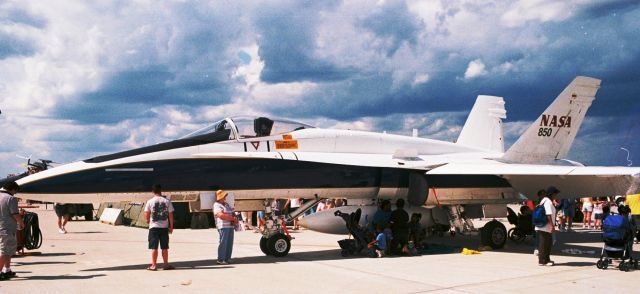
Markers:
point(545, 234)
point(159, 214)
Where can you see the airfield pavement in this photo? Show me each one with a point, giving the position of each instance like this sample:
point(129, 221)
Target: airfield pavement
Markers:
point(100, 258)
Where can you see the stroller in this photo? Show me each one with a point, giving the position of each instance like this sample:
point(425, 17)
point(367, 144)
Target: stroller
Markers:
point(617, 235)
point(523, 225)
point(359, 241)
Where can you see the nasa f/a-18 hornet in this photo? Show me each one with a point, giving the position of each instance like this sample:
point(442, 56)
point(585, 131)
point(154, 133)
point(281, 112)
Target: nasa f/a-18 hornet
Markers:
point(260, 159)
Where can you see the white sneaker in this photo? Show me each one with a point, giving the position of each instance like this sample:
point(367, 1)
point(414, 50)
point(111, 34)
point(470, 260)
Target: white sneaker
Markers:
point(62, 231)
point(550, 263)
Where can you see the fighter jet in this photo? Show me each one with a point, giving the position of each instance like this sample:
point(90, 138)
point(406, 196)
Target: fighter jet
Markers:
point(264, 158)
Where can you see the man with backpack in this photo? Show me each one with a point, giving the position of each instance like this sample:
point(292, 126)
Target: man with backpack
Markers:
point(544, 221)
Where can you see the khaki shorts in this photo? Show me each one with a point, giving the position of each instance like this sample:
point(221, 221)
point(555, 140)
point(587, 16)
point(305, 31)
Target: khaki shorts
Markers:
point(8, 244)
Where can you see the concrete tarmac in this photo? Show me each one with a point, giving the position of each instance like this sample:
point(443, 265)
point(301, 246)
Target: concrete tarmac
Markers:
point(100, 258)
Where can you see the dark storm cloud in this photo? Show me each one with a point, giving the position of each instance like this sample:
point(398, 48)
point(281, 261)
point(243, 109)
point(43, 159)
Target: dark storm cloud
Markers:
point(577, 46)
point(394, 24)
point(89, 111)
point(14, 46)
point(19, 16)
point(10, 43)
point(603, 8)
point(183, 60)
point(287, 41)
point(600, 141)
point(130, 94)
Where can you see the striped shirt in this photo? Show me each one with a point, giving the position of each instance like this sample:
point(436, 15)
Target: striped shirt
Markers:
point(226, 209)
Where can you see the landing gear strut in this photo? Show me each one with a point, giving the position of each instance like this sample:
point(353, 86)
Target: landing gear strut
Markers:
point(276, 240)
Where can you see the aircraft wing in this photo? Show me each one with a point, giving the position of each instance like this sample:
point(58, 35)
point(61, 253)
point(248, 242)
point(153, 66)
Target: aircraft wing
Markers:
point(572, 181)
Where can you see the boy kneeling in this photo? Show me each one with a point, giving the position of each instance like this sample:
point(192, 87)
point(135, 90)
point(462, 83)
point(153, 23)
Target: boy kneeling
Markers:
point(378, 246)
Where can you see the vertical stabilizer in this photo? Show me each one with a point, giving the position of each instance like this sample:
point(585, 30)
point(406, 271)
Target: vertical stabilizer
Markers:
point(483, 128)
point(551, 135)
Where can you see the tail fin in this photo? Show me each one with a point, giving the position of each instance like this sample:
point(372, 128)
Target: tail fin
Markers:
point(550, 137)
point(483, 128)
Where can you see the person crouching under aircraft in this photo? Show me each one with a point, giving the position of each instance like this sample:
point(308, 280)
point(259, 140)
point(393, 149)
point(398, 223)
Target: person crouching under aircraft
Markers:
point(225, 223)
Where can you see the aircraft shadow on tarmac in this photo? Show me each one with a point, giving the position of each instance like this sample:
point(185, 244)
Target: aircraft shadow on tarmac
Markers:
point(333, 254)
point(62, 277)
point(44, 262)
point(438, 245)
point(36, 253)
point(579, 243)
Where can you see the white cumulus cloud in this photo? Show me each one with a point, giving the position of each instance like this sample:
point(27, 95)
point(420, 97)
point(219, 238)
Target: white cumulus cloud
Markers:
point(475, 69)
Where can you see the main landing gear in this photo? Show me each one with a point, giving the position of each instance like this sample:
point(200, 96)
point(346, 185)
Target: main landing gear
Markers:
point(493, 234)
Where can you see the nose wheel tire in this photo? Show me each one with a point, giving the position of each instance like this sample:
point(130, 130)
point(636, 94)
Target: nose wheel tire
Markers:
point(278, 245)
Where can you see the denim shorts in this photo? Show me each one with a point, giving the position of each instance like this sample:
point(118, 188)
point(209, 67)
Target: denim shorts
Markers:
point(8, 244)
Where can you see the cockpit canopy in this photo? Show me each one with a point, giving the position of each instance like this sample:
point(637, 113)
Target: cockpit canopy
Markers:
point(249, 127)
point(224, 130)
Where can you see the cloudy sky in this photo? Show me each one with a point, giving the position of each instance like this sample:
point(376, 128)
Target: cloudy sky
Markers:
point(83, 78)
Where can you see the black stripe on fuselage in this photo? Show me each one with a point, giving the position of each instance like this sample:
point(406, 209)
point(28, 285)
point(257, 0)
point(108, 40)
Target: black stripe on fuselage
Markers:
point(181, 143)
point(241, 174)
point(212, 174)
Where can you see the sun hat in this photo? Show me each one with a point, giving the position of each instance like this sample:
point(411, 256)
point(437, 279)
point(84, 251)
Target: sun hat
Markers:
point(221, 194)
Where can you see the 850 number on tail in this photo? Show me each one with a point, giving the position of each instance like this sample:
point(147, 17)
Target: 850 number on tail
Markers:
point(545, 132)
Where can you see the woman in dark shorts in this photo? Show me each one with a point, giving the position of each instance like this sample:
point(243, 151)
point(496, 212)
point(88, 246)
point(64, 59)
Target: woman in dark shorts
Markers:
point(62, 211)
